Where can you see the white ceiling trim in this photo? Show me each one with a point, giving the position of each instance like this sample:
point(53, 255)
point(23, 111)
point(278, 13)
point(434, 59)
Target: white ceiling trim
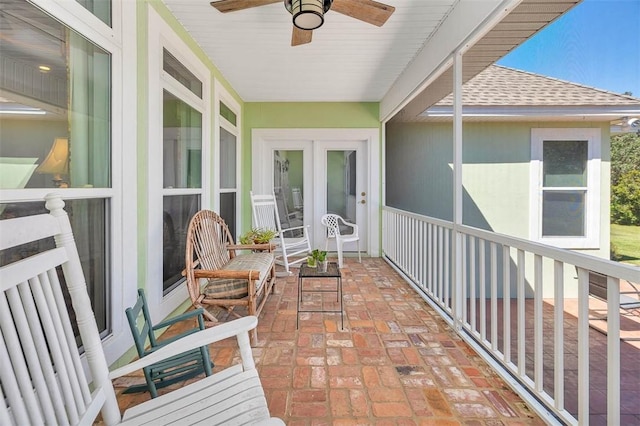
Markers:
point(468, 21)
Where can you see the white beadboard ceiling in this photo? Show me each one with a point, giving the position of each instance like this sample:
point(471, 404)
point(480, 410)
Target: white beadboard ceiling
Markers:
point(348, 60)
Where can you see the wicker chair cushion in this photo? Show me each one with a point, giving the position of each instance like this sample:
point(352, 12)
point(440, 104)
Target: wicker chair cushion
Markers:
point(237, 288)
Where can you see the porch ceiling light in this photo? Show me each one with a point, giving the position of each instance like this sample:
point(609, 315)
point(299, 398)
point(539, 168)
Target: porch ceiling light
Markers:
point(308, 14)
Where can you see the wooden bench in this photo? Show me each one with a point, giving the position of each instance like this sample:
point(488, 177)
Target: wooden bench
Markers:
point(219, 275)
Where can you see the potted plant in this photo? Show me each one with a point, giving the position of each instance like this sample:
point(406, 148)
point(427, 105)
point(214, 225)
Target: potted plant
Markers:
point(318, 258)
point(257, 236)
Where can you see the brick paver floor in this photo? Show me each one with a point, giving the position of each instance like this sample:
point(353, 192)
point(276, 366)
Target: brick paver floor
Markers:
point(396, 362)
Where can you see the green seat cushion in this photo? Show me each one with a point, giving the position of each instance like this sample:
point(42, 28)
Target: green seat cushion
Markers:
point(227, 288)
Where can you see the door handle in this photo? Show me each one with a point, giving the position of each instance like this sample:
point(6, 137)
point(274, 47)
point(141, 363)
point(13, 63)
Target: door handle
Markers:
point(363, 202)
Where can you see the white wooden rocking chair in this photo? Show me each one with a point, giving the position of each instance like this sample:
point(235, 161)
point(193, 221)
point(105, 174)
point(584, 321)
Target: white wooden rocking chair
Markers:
point(41, 370)
point(292, 244)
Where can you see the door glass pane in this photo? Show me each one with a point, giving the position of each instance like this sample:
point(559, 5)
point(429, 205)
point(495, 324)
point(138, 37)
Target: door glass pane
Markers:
point(55, 108)
point(227, 159)
point(565, 163)
point(288, 184)
point(172, 66)
point(177, 212)
point(563, 214)
point(341, 184)
point(89, 222)
point(182, 145)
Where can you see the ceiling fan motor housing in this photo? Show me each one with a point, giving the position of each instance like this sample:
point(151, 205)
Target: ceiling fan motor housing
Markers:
point(308, 14)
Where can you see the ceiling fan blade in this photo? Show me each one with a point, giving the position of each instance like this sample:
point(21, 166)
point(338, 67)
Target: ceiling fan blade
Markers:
point(225, 6)
point(369, 11)
point(299, 36)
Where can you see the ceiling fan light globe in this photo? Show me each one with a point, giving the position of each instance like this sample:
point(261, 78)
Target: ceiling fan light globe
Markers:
point(307, 14)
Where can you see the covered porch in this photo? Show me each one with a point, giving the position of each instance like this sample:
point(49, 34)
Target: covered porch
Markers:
point(397, 361)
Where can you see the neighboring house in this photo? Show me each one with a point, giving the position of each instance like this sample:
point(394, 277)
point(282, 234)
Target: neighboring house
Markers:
point(535, 158)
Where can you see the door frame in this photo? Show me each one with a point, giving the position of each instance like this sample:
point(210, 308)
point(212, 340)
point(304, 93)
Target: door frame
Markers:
point(264, 140)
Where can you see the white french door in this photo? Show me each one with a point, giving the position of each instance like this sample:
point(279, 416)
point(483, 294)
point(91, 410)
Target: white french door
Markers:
point(318, 171)
point(340, 187)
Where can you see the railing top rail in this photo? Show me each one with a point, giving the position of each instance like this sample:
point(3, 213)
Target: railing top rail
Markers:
point(581, 260)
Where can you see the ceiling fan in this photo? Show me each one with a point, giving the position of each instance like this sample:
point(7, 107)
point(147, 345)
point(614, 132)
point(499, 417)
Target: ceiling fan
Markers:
point(309, 14)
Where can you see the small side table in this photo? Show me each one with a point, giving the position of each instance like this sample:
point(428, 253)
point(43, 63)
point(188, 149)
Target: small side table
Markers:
point(332, 272)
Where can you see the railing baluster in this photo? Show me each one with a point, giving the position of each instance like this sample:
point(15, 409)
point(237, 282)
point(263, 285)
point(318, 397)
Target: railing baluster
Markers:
point(538, 327)
point(613, 351)
point(463, 279)
point(440, 265)
point(472, 282)
point(494, 296)
point(447, 269)
point(506, 303)
point(521, 333)
point(483, 291)
point(583, 346)
point(558, 334)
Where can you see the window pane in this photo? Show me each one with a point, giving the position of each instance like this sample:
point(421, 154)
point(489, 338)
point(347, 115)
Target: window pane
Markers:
point(565, 163)
point(178, 71)
point(89, 222)
point(177, 212)
point(182, 155)
point(227, 159)
point(56, 104)
point(341, 184)
point(228, 211)
point(226, 112)
point(100, 8)
point(563, 214)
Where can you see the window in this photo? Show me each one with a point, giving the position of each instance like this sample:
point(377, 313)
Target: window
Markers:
point(228, 154)
point(178, 159)
point(55, 116)
point(565, 174)
point(182, 165)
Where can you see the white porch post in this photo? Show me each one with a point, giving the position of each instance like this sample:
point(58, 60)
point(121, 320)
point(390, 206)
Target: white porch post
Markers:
point(457, 278)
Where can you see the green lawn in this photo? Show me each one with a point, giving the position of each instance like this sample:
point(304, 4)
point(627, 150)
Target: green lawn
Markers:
point(626, 240)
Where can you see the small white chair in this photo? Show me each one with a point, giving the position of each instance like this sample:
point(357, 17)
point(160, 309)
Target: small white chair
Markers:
point(41, 371)
point(290, 242)
point(333, 222)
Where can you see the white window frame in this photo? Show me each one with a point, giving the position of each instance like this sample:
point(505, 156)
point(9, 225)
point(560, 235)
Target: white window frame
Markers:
point(222, 95)
point(591, 239)
point(122, 219)
point(161, 36)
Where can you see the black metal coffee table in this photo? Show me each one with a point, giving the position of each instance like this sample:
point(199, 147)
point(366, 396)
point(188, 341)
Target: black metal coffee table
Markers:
point(332, 272)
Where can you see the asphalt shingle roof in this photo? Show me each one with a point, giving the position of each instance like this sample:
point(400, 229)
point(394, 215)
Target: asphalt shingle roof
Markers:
point(499, 85)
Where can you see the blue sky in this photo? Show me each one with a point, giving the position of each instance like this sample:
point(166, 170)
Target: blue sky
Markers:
point(597, 44)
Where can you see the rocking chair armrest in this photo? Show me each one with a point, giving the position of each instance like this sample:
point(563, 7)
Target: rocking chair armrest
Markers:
point(185, 316)
point(294, 228)
point(226, 273)
point(237, 327)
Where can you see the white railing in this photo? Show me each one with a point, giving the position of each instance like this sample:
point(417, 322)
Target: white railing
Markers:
point(529, 338)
